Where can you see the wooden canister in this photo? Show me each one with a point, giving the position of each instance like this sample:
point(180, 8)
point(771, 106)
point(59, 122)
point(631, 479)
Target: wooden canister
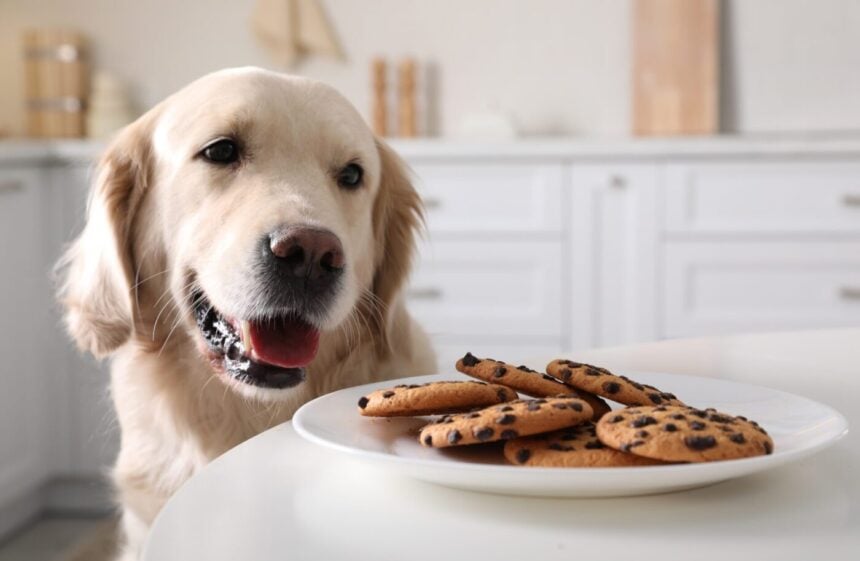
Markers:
point(56, 83)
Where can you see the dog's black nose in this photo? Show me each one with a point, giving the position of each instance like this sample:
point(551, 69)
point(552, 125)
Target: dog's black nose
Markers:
point(307, 253)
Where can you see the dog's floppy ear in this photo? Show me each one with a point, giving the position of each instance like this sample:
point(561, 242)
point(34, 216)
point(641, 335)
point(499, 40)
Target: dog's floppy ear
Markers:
point(397, 216)
point(98, 269)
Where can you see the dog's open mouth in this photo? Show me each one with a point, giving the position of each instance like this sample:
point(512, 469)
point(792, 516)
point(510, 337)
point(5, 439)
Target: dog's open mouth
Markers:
point(270, 353)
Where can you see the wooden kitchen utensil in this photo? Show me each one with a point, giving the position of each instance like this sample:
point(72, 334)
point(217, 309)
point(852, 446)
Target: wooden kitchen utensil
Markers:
point(56, 82)
point(406, 99)
point(379, 109)
point(675, 67)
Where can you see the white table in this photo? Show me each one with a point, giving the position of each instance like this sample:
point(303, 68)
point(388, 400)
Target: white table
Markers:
point(235, 508)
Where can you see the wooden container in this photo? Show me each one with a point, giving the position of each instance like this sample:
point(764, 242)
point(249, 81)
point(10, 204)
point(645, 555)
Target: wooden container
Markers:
point(56, 83)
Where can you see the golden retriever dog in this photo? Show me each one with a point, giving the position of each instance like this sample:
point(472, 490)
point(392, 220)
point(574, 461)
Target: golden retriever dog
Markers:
point(245, 248)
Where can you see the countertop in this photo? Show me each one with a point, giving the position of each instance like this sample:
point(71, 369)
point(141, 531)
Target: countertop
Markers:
point(22, 152)
point(278, 496)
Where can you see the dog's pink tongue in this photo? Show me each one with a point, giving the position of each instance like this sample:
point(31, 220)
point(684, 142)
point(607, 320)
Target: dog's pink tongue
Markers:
point(285, 343)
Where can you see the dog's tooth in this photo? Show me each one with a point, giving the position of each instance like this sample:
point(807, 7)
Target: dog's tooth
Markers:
point(246, 337)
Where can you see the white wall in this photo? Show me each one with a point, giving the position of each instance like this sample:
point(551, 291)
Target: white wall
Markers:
point(557, 66)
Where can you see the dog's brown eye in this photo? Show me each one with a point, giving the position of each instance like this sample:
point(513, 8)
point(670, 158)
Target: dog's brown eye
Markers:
point(350, 176)
point(222, 151)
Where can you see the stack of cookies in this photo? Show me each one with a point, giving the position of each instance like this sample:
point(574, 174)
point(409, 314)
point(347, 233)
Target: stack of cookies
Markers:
point(566, 422)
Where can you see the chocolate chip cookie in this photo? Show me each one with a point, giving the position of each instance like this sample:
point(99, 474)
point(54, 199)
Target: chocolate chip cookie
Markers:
point(525, 380)
point(606, 384)
point(504, 422)
point(434, 398)
point(576, 446)
point(683, 434)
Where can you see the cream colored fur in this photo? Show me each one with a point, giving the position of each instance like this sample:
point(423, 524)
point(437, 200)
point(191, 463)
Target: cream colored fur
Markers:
point(160, 218)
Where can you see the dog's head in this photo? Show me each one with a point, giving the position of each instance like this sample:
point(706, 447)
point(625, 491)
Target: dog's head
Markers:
point(251, 211)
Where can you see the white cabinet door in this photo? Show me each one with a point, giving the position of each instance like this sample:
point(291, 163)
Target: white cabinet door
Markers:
point(612, 252)
point(24, 335)
point(730, 287)
point(779, 196)
point(489, 289)
point(491, 197)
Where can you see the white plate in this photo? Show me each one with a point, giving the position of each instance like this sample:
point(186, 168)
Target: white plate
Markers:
point(798, 426)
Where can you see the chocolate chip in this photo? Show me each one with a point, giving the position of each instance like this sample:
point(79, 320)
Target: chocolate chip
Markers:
point(500, 371)
point(669, 427)
point(560, 447)
point(591, 371)
point(573, 364)
point(524, 368)
point(568, 436)
point(643, 434)
point(523, 455)
point(636, 385)
point(454, 437)
point(696, 425)
point(506, 408)
point(700, 442)
point(616, 419)
point(768, 449)
point(363, 402)
point(576, 406)
point(667, 396)
point(470, 360)
point(483, 433)
point(506, 419)
point(502, 394)
point(742, 418)
point(473, 415)
point(388, 393)
point(643, 421)
point(699, 413)
point(508, 434)
point(738, 438)
point(533, 406)
point(678, 417)
point(725, 428)
point(565, 374)
point(428, 440)
point(655, 398)
point(611, 387)
point(594, 445)
point(629, 445)
point(661, 408)
point(721, 419)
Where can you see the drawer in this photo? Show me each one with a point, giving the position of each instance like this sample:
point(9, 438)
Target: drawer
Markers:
point(739, 286)
point(763, 197)
point(497, 197)
point(488, 289)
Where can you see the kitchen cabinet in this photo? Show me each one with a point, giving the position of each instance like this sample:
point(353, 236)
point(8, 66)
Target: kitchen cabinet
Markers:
point(612, 254)
point(25, 335)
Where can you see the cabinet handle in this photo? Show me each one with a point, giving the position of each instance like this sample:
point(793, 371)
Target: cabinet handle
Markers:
point(432, 203)
point(424, 293)
point(851, 199)
point(11, 186)
point(617, 182)
point(850, 292)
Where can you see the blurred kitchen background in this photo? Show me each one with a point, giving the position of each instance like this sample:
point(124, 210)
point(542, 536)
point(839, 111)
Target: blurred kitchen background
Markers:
point(596, 172)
